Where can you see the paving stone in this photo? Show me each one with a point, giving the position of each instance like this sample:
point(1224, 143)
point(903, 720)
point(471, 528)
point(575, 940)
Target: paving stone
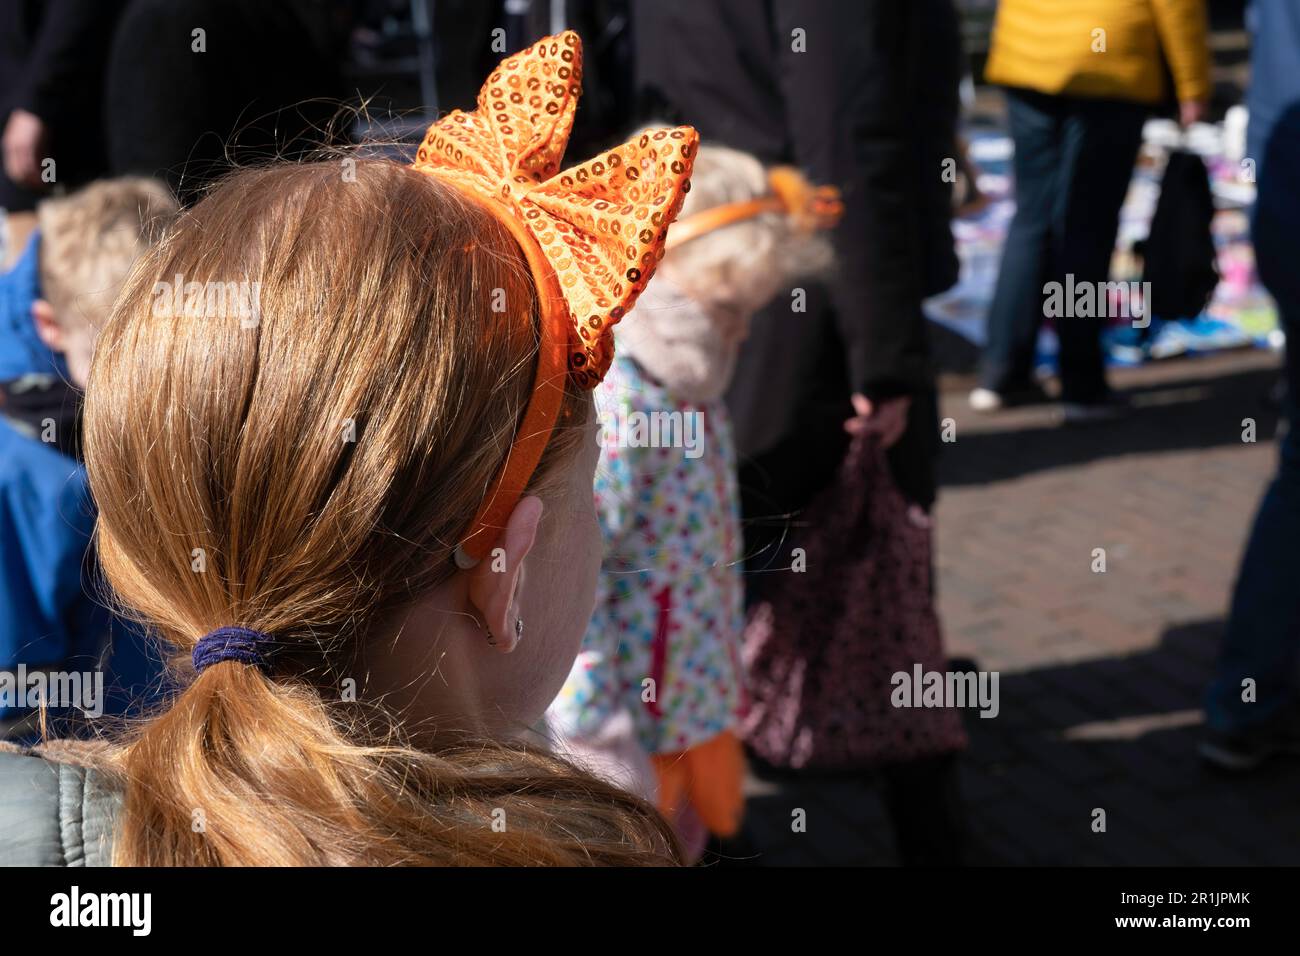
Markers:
point(1170, 494)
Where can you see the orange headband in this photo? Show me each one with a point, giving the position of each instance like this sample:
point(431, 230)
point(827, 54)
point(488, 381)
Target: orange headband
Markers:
point(592, 235)
point(811, 207)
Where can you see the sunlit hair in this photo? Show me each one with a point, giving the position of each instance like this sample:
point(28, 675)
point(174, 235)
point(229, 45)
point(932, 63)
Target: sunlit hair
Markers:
point(223, 440)
point(90, 238)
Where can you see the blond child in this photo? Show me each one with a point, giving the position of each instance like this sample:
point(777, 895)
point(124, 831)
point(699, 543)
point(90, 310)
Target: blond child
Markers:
point(49, 618)
point(360, 522)
point(658, 681)
point(88, 243)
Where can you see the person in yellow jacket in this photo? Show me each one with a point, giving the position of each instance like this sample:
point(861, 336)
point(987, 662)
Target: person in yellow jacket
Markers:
point(1081, 77)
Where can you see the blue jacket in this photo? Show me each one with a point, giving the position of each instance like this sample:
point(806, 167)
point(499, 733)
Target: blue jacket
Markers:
point(49, 616)
point(21, 349)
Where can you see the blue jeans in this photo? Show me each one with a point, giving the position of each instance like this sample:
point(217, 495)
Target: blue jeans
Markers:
point(1073, 161)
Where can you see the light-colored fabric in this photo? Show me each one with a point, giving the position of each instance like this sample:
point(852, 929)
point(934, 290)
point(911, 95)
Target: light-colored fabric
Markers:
point(678, 344)
point(1107, 49)
point(669, 600)
point(613, 752)
point(54, 814)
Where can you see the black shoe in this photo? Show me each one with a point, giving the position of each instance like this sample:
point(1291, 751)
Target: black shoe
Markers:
point(1244, 751)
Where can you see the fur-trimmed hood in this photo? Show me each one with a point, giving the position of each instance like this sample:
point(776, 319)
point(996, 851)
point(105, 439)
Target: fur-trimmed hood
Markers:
point(677, 343)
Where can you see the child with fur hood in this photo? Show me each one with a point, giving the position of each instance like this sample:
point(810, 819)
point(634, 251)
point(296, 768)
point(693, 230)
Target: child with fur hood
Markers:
point(655, 695)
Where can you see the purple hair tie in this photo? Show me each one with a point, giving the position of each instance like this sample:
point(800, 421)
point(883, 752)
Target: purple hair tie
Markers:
point(231, 644)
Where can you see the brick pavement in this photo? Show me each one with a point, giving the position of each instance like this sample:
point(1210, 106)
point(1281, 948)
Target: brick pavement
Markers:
point(1101, 674)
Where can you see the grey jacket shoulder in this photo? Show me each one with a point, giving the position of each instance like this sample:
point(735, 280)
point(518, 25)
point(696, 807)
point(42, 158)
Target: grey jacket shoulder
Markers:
point(54, 814)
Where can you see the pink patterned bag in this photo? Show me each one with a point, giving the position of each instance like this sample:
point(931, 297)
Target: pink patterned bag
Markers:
point(821, 649)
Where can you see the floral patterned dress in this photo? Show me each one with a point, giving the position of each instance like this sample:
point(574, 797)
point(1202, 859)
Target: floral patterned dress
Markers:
point(664, 642)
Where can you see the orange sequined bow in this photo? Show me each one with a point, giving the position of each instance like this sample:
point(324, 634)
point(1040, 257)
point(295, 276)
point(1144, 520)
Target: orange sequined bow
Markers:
point(592, 234)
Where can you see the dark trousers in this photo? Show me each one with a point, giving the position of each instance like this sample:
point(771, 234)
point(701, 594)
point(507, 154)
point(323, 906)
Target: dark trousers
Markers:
point(1262, 639)
point(1073, 161)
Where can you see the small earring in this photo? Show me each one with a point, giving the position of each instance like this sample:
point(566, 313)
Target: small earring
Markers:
point(519, 629)
point(491, 640)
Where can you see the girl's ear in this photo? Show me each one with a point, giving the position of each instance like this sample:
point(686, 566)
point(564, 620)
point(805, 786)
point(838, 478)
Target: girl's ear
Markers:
point(494, 581)
point(47, 325)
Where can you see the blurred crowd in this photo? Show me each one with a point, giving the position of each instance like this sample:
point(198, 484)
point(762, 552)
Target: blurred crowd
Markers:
point(756, 603)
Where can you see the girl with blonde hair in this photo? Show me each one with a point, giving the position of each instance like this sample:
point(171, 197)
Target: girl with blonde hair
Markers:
point(359, 514)
point(656, 695)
